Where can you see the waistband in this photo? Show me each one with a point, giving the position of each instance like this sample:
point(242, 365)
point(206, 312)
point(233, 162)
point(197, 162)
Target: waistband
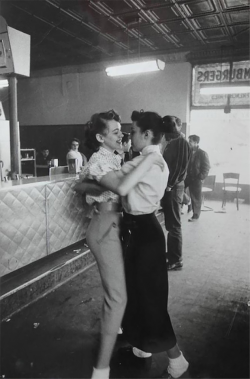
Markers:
point(137, 219)
point(108, 207)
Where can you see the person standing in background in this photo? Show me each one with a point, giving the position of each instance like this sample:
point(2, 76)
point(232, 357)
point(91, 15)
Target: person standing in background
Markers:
point(198, 170)
point(73, 153)
point(43, 162)
point(176, 154)
point(126, 145)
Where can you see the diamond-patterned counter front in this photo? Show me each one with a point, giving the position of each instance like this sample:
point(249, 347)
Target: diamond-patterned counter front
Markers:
point(38, 220)
point(66, 216)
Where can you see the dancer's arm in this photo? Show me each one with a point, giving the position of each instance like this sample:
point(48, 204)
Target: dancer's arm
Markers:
point(121, 184)
point(89, 186)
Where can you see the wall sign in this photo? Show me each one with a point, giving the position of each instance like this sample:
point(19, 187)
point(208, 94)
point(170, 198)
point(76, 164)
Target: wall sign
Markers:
point(219, 73)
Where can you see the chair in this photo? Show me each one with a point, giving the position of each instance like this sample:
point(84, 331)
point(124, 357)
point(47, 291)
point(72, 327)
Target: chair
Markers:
point(231, 185)
point(208, 187)
point(58, 170)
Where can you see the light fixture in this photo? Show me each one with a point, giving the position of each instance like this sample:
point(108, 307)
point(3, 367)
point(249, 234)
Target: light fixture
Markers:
point(136, 68)
point(4, 83)
point(225, 88)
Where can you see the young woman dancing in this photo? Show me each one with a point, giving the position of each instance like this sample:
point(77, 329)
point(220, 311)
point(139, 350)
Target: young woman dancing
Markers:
point(147, 325)
point(103, 234)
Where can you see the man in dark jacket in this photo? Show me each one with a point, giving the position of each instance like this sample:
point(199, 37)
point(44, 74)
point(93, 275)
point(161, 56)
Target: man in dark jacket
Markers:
point(176, 154)
point(198, 170)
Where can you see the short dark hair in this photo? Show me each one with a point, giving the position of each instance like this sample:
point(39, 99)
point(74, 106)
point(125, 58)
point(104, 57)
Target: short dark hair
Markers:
point(136, 115)
point(149, 121)
point(170, 123)
point(194, 138)
point(125, 138)
point(75, 140)
point(98, 125)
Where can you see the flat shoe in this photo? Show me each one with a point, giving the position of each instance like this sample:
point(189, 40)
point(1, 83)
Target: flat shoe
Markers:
point(175, 266)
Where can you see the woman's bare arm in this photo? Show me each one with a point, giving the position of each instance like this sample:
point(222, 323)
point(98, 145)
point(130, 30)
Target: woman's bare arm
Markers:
point(89, 186)
point(122, 184)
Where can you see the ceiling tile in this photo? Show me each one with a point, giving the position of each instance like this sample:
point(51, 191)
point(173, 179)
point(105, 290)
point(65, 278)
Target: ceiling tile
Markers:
point(240, 33)
point(215, 33)
point(165, 13)
point(116, 6)
point(199, 7)
point(155, 3)
point(148, 31)
point(179, 26)
point(238, 17)
point(207, 21)
point(186, 38)
point(229, 4)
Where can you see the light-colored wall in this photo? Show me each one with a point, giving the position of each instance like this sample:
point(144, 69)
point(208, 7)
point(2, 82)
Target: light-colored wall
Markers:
point(5, 146)
point(226, 139)
point(72, 98)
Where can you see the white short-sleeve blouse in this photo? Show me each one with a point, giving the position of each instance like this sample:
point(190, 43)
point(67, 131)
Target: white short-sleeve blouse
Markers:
point(145, 197)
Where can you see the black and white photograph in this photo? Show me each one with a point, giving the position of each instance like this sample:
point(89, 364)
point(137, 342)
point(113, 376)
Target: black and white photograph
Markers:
point(124, 189)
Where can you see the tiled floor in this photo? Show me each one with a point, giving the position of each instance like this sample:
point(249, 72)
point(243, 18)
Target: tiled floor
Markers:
point(208, 305)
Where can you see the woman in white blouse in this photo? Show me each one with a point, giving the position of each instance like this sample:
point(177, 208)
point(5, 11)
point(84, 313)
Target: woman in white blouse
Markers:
point(103, 235)
point(73, 153)
point(147, 325)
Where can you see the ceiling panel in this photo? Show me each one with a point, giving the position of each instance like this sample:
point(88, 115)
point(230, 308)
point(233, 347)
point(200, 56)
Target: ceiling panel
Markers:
point(187, 38)
point(167, 13)
point(65, 32)
point(230, 4)
point(177, 26)
point(117, 6)
point(199, 7)
point(154, 3)
point(214, 34)
point(241, 34)
point(207, 21)
point(237, 17)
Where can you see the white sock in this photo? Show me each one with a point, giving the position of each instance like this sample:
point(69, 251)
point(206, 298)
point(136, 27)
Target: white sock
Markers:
point(177, 366)
point(120, 331)
point(140, 353)
point(100, 373)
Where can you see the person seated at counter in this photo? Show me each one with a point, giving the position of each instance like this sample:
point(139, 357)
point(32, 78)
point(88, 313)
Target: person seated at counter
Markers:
point(43, 162)
point(73, 153)
point(124, 151)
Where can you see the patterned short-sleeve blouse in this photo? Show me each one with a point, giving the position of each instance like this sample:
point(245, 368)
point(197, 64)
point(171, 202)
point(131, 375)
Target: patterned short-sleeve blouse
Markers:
point(99, 165)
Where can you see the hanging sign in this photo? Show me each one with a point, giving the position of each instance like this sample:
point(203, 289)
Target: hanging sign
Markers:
point(219, 73)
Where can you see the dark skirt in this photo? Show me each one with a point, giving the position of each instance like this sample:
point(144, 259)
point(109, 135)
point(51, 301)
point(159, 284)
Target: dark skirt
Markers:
point(146, 322)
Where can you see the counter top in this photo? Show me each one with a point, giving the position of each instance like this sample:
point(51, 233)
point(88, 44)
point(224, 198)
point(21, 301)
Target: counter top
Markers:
point(36, 180)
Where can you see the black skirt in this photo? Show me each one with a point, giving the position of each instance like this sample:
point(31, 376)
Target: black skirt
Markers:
point(146, 322)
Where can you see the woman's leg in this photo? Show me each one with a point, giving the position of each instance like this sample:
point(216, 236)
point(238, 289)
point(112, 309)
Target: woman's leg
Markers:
point(147, 325)
point(104, 242)
point(177, 363)
point(147, 322)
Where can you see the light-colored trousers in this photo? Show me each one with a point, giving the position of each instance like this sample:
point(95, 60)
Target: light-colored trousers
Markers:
point(103, 238)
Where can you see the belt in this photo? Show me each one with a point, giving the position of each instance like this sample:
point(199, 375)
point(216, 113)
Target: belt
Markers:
point(108, 207)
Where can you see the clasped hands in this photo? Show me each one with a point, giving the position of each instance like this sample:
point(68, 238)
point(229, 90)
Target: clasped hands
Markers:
point(89, 186)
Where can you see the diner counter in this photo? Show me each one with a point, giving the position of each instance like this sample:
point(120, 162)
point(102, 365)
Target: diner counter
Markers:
point(39, 216)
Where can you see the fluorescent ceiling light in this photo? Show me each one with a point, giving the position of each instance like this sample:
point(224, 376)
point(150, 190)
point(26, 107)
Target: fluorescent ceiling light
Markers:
point(4, 83)
point(224, 88)
point(136, 68)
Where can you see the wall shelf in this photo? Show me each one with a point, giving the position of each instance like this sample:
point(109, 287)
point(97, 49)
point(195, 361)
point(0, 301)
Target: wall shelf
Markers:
point(28, 162)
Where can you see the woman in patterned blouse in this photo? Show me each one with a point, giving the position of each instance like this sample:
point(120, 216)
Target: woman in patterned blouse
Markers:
point(103, 235)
